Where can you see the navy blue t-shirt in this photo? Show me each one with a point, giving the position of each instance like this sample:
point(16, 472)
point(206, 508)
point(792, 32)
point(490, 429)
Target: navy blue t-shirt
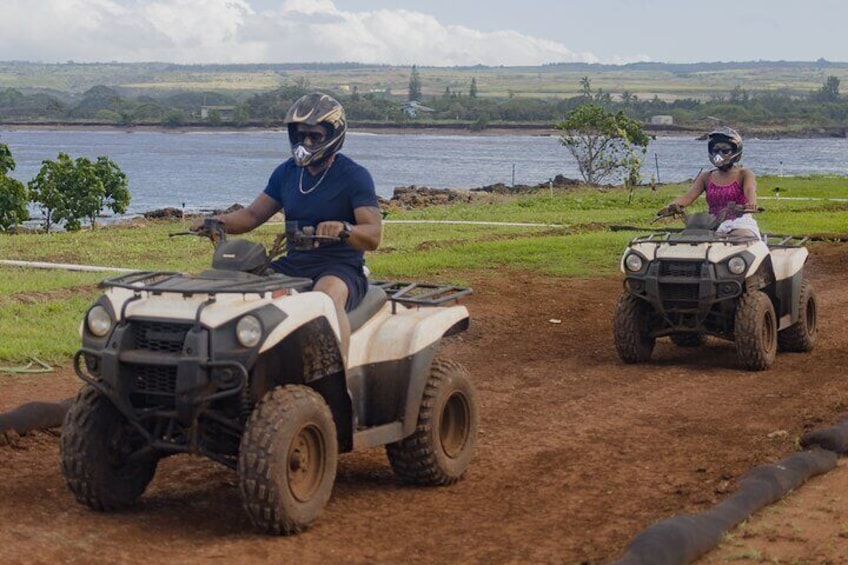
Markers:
point(346, 186)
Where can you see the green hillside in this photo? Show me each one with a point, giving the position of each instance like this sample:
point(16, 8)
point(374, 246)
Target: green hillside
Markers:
point(667, 81)
point(767, 96)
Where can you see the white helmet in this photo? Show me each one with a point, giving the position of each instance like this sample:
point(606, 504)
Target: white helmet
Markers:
point(724, 135)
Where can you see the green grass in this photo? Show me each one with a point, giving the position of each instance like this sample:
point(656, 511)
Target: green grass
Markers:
point(17, 280)
point(48, 330)
point(40, 310)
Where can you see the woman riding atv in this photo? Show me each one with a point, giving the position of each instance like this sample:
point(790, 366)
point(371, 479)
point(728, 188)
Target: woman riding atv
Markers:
point(728, 182)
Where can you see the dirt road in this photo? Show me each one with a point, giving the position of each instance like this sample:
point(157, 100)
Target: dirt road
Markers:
point(578, 453)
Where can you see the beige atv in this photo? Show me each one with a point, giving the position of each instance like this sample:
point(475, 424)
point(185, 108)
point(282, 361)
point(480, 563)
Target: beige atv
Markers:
point(244, 367)
point(694, 283)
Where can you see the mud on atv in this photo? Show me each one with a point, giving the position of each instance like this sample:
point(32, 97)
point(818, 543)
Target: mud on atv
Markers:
point(243, 366)
point(696, 283)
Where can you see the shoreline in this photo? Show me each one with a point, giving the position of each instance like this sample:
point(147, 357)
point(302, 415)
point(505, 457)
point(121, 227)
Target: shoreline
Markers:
point(352, 128)
point(432, 129)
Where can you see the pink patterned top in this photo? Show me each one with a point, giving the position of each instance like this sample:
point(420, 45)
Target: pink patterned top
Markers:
point(718, 197)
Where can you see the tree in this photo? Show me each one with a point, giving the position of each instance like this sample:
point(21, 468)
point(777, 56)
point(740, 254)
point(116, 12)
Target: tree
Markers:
point(604, 144)
point(46, 189)
point(7, 162)
point(829, 92)
point(13, 194)
point(173, 119)
point(472, 92)
point(13, 203)
point(586, 87)
point(116, 194)
point(738, 95)
point(241, 115)
point(414, 86)
point(69, 191)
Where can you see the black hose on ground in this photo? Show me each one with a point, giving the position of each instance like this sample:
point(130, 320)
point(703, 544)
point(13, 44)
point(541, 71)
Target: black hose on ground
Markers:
point(834, 438)
point(34, 416)
point(682, 539)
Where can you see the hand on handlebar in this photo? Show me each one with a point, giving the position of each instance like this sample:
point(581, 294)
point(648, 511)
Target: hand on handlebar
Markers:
point(332, 229)
point(328, 232)
point(210, 227)
point(308, 237)
point(206, 225)
point(671, 210)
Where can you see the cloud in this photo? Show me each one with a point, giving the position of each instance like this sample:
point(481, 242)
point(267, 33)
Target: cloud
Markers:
point(231, 31)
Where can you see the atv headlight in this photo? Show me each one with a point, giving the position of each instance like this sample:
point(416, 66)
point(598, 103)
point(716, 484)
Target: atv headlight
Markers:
point(99, 321)
point(633, 263)
point(737, 265)
point(249, 331)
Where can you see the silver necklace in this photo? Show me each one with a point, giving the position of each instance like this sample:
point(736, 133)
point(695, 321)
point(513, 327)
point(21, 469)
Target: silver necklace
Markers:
point(314, 186)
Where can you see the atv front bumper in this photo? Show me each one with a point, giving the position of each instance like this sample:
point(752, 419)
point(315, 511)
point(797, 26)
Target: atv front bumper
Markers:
point(163, 380)
point(685, 294)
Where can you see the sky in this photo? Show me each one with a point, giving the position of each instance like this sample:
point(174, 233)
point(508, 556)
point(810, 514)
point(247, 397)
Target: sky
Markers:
point(424, 33)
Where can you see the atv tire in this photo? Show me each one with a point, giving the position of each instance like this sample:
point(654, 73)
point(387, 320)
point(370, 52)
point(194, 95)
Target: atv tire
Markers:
point(440, 449)
point(287, 460)
point(755, 330)
point(94, 449)
point(688, 339)
point(631, 329)
point(800, 337)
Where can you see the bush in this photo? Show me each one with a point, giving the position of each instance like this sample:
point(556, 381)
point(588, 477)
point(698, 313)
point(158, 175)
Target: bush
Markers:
point(13, 203)
point(69, 191)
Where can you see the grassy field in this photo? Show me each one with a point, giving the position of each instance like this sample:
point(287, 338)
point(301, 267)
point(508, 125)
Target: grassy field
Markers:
point(666, 82)
point(574, 233)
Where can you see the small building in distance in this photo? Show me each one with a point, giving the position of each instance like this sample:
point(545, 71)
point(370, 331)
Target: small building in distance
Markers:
point(661, 120)
point(223, 113)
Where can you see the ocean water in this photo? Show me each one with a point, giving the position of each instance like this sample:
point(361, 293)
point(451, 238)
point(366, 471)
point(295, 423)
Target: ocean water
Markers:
point(202, 170)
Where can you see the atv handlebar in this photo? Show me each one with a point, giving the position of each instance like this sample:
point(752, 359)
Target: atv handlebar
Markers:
point(306, 239)
point(298, 239)
point(673, 210)
point(212, 228)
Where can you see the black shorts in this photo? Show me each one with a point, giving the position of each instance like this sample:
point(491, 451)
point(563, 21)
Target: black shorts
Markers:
point(353, 277)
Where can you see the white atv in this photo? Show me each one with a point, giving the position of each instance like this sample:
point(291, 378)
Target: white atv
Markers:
point(244, 366)
point(695, 282)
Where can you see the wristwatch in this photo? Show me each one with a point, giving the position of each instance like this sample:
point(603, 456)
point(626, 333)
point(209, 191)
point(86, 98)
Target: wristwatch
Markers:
point(346, 230)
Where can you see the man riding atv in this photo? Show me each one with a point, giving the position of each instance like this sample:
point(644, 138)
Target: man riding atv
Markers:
point(321, 189)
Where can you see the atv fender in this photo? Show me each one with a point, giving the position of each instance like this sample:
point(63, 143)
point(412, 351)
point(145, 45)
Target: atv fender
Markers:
point(788, 261)
point(301, 310)
point(388, 337)
point(407, 340)
point(788, 264)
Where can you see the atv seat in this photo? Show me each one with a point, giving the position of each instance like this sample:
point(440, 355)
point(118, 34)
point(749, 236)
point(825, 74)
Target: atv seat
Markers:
point(374, 299)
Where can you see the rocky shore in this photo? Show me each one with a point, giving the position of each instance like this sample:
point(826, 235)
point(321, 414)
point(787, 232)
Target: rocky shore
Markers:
point(413, 197)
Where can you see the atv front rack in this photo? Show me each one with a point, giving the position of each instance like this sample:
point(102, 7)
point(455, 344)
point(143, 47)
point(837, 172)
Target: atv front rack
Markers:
point(775, 240)
point(209, 282)
point(421, 294)
point(675, 237)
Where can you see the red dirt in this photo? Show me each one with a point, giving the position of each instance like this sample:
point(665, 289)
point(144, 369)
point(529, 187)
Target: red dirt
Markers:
point(578, 452)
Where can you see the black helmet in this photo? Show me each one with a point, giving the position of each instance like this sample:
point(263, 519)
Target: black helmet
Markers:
point(316, 109)
point(724, 135)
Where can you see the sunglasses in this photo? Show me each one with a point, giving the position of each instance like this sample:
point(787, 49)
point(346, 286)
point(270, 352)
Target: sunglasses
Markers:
point(313, 136)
